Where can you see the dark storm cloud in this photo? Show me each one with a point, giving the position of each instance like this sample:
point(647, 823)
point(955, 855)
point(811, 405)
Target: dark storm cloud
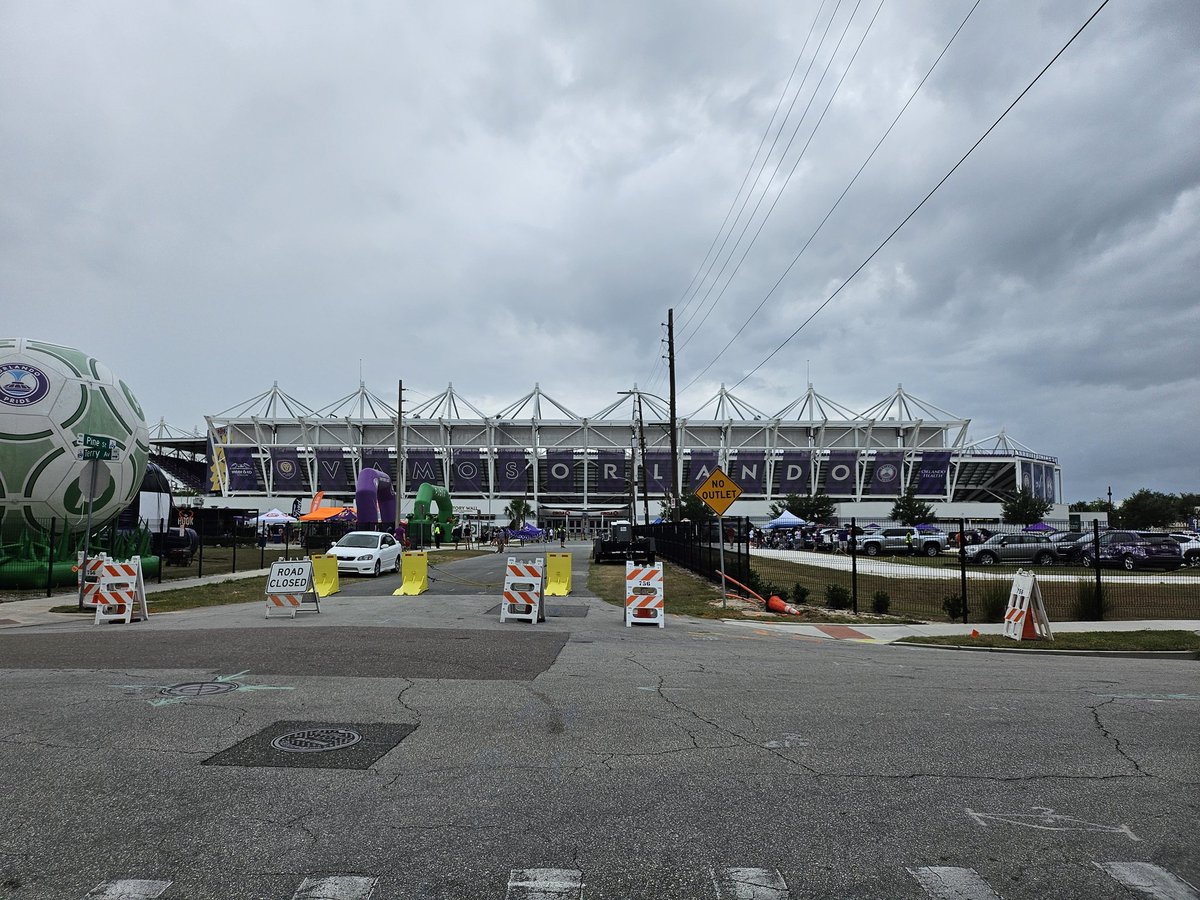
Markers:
point(214, 196)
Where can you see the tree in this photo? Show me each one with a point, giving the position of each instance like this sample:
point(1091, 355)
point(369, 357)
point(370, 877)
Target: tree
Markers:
point(1023, 508)
point(817, 508)
point(694, 509)
point(908, 510)
point(518, 512)
point(791, 503)
point(1097, 505)
point(1149, 509)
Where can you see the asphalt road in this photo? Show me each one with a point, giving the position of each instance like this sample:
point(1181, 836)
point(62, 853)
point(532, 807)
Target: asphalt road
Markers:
point(578, 758)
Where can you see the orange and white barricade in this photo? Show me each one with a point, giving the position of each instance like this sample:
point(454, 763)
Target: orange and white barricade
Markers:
point(290, 589)
point(524, 586)
point(89, 575)
point(644, 602)
point(118, 592)
point(1025, 617)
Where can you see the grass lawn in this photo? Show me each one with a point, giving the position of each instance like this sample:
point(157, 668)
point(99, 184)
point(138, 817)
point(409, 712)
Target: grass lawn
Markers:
point(1083, 640)
point(687, 594)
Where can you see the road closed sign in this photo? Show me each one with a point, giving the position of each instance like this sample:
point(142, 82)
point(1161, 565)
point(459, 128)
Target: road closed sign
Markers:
point(290, 577)
point(718, 491)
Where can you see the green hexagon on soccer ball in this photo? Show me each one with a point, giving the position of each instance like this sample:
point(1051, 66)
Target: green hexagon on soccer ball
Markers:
point(50, 396)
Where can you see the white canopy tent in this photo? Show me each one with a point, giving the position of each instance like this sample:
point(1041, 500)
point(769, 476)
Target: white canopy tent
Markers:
point(271, 517)
point(786, 520)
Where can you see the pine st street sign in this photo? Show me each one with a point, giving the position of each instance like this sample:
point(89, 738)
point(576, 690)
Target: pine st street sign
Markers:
point(96, 447)
point(718, 491)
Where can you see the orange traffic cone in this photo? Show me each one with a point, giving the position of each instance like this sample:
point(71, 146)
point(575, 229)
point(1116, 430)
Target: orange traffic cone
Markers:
point(974, 632)
point(776, 605)
point(1028, 632)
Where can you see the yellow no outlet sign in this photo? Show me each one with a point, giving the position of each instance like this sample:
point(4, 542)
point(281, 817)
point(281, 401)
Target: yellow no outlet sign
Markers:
point(718, 491)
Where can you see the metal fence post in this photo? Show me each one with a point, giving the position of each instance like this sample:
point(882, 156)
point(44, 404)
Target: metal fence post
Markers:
point(1099, 605)
point(233, 565)
point(200, 538)
point(854, 563)
point(50, 558)
point(162, 545)
point(287, 540)
point(962, 564)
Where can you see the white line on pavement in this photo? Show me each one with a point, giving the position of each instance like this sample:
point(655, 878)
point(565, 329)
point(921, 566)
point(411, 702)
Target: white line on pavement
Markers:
point(545, 884)
point(1150, 880)
point(336, 887)
point(750, 884)
point(128, 889)
point(953, 883)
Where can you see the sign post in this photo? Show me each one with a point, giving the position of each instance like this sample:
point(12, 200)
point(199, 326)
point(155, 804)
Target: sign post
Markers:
point(718, 493)
point(94, 448)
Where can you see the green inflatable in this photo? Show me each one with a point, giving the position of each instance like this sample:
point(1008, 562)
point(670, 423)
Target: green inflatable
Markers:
point(420, 524)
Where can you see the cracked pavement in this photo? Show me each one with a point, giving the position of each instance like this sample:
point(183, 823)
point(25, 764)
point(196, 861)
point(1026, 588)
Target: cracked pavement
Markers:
point(643, 757)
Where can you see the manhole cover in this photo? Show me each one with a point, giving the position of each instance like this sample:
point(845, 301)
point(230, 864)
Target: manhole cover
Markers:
point(200, 688)
point(316, 740)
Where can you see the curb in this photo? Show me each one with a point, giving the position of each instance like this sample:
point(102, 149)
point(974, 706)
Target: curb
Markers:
point(1110, 654)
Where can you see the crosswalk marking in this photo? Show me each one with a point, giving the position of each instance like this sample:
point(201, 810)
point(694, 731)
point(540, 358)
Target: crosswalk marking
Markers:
point(336, 887)
point(1149, 879)
point(128, 889)
point(953, 883)
point(750, 884)
point(545, 884)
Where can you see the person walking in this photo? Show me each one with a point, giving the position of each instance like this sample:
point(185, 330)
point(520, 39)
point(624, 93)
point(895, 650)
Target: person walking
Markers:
point(437, 536)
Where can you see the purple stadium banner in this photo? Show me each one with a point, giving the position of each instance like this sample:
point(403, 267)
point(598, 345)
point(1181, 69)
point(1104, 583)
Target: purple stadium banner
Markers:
point(932, 473)
point(333, 474)
point(885, 480)
point(839, 472)
point(1039, 481)
point(380, 461)
point(420, 467)
point(511, 472)
point(242, 469)
point(285, 469)
point(466, 472)
point(702, 464)
point(793, 472)
point(749, 470)
point(658, 472)
point(560, 472)
point(1024, 477)
point(610, 471)
point(1050, 493)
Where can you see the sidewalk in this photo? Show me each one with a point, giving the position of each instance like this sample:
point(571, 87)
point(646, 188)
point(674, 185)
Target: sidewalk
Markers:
point(886, 634)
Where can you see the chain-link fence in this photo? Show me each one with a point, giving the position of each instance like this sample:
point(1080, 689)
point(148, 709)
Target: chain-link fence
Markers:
point(955, 571)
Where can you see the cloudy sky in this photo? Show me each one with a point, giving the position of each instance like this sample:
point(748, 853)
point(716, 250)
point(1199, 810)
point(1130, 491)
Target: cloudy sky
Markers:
point(213, 196)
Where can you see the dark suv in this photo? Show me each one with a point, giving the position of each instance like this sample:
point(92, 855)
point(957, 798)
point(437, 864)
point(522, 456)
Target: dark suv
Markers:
point(1134, 550)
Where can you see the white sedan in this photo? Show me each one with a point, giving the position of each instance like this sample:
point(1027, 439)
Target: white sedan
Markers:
point(367, 552)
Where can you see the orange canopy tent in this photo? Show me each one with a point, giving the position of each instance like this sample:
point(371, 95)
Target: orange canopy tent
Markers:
point(330, 513)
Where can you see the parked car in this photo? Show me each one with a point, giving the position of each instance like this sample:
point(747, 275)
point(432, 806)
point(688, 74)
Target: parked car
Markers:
point(902, 540)
point(367, 552)
point(1189, 546)
point(969, 537)
point(1069, 544)
point(1135, 550)
point(1014, 549)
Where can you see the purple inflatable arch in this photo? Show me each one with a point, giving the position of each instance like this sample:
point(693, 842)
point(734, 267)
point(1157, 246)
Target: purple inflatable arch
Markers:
point(374, 499)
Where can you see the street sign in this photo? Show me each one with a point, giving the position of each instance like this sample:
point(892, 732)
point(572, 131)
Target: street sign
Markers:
point(94, 479)
point(97, 447)
point(718, 491)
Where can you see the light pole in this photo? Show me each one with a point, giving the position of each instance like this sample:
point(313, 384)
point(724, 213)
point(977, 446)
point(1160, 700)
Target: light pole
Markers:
point(673, 492)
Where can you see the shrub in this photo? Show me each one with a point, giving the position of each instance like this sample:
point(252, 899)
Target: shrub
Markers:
point(799, 593)
point(952, 605)
point(1089, 605)
point(836, 596)
point(881, 602)
point(993, 601)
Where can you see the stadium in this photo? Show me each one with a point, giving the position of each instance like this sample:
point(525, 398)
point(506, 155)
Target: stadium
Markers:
point(577, 470)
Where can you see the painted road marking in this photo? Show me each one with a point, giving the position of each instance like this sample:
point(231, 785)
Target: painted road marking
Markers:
point(128, 889)
point(336, 887)
point(1043, 818)
point(1150, 880)
point(750, 884)
point(544, 884)
point(953, 883)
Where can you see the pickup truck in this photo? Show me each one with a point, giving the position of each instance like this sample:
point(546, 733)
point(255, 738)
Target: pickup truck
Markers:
point(892, 541)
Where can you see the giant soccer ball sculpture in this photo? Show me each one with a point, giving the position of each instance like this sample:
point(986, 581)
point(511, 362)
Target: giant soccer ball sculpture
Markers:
point(49, 397)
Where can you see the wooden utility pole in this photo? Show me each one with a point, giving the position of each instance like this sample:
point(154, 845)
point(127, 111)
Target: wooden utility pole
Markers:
point(675, 503)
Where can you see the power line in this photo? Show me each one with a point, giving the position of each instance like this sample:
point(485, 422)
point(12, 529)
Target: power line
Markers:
point(836, 203)
point(828, 103)
point(918, 207)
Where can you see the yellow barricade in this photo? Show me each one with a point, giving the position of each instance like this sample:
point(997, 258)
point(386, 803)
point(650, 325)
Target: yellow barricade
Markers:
point(414, 574)
point(325, 576)
point(558, 574)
